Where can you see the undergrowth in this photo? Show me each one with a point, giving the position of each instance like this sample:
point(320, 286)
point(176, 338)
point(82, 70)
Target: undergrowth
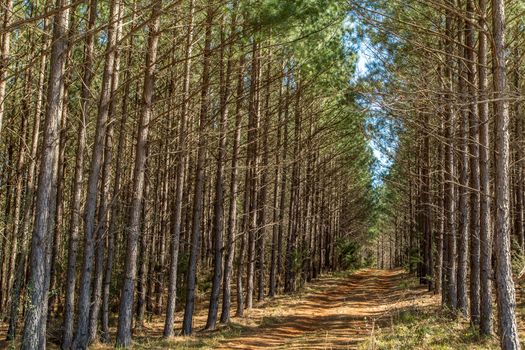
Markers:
point(430, 329)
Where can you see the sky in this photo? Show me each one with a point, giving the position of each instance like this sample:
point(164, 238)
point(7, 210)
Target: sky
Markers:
point(377, 119)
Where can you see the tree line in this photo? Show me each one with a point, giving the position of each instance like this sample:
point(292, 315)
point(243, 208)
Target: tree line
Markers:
point(452, 205)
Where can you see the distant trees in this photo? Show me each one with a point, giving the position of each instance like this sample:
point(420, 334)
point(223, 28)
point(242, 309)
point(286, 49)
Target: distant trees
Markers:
point(192, 145)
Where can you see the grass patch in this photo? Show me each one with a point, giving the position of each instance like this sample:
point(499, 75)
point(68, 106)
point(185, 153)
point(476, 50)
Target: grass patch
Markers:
point(427, 329)
point(409, 283)
point(269, 321)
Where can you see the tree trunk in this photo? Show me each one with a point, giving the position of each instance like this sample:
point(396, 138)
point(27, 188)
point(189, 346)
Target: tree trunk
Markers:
point(232, 214)
point(450, 285)
point(21, 258)
point(135, 211)
point(113, 208)
point(253, 128)
point(277, 181)
point(463, 161)
point(5, 39)
point(485, 236)
point(84, 300)
point(474, 166)
point(506, 297)
point(261, 213)
point(218, 214)
point(36, 315)
point(179, 178)
point(198, 199)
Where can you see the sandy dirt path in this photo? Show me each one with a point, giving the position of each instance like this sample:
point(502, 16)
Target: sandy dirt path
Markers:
point(338, 313)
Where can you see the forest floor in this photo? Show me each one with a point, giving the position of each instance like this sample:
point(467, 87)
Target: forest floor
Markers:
point(368, 309)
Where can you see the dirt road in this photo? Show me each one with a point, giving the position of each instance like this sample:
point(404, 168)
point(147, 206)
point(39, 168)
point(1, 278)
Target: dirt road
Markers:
point(338, 313)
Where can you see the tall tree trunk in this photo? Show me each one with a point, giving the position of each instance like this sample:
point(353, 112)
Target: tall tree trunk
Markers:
point(440, 234)
point(20, 262)
point(135, 211)
point(5, 40)
point(59, 209)
point(198, 199)
point(277, 181)
point(485, 235)
point(474, 165)
point(84, 300)
point(36, 315)
point(74, 220)
point(463, 222)
point(113, 208)
point(143, 257)
point(282, 190)
point(218, 214)
point(13, 289)
point(450, 284)
point(244, 228)
point(234, 185)
point(506, 297)
point(253, 129)
point(179, 178)
point(261, 214)
point(427, 213)
point(291, 246)
point(102, 229)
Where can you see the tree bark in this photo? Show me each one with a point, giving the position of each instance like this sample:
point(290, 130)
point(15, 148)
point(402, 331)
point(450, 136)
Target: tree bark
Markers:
point(234, 185)
point(253, 129)
point(198, 199)
point(463, 205)
point(506, 298)
point(113, 207)
point(276, 198)
point(5, 40)
point(218, 214)
point(474, 166)
point(81, 340)
point(135, 211)
point(179, 178)
point(36, 315)
point(450, 284)
point(485, 236)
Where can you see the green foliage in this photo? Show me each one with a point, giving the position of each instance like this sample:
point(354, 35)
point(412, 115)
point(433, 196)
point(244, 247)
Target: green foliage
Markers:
point(350, 253)
point(298, 258)
point(284, 15)
point(312, 33)
point(205, 282)
point(414, 259)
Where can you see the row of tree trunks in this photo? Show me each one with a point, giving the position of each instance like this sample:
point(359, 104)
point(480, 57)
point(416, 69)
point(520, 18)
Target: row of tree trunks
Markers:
point(453, 219)
point(212, 171)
